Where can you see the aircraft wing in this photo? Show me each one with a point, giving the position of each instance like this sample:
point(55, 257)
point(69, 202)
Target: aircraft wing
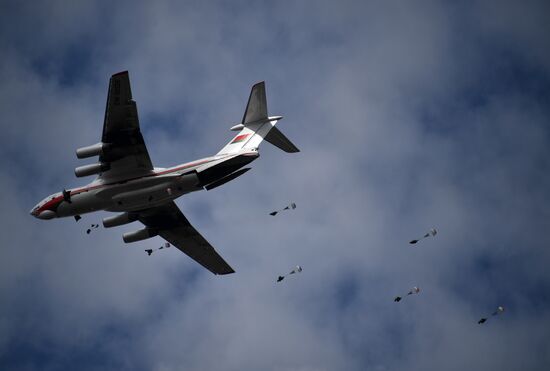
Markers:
point(127, 155)
point(174, 227)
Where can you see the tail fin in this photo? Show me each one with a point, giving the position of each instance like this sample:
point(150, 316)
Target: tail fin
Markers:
point(257, 126)
point(256, 108)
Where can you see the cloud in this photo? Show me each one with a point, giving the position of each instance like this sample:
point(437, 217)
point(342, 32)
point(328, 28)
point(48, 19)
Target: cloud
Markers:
point(408, 116)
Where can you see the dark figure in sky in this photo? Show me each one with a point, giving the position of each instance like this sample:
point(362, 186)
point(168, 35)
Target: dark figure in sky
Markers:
point(482, 320)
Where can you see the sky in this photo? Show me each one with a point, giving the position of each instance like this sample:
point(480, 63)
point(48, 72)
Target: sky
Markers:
point(408, 115)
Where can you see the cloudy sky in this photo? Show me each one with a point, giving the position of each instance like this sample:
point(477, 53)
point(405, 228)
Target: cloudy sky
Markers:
point(409, 115)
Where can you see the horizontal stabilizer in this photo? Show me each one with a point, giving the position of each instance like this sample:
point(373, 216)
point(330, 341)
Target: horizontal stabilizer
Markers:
point(278, 139)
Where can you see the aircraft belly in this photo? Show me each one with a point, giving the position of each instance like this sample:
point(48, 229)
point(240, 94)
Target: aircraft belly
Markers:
point(112, 190)
point(130, 199)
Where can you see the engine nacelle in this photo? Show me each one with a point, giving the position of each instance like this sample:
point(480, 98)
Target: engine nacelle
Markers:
point(91, 169)
point(120, 219)
point(90, 151)
point(142, 234)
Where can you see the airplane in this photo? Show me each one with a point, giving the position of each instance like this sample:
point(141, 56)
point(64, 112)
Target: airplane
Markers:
point(127, 182)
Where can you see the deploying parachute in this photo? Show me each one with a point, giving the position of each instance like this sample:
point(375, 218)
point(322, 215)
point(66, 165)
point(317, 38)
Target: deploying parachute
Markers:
point(414, 290)
point(165, 246)
point(93, 226)
point(289, 207)
point(498, 311)
point(297, 269)
point(432, 233)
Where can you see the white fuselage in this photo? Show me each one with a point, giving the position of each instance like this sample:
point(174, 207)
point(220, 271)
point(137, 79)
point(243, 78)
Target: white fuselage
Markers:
point(160, 186)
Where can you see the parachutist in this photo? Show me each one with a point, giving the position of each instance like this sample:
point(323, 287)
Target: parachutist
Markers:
point(298, 269)
point(66, 196)
point(499, 310)
point(414, 290)
point(165, 246)
point(290, 206)
point(432, 233)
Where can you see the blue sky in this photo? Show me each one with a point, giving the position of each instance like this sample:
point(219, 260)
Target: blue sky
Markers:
point(408, 116)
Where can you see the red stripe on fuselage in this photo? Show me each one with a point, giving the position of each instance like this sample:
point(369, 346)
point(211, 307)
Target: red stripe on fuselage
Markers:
point(50, 205)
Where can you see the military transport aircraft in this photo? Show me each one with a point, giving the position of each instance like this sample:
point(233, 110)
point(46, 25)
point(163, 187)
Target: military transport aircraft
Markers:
point(128, 183)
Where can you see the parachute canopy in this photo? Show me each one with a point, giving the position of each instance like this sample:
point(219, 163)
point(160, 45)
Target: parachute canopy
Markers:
point(498, 311)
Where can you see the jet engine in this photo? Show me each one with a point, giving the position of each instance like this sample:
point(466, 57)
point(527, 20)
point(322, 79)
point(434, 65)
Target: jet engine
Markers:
point(139, 235)
point(120, 219)
point(90, 151)
point(91, 169)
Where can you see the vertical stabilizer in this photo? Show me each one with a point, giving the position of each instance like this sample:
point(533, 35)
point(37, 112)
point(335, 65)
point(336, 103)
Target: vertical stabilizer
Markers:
point(256, 108)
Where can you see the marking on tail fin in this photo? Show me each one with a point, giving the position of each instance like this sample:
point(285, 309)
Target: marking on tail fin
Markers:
point(240, 138)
